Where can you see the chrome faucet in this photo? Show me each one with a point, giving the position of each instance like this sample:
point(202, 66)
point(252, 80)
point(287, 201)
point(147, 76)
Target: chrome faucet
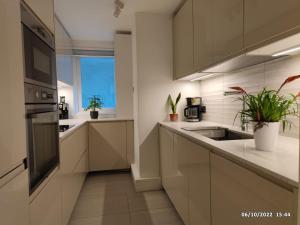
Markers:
point(244, 120)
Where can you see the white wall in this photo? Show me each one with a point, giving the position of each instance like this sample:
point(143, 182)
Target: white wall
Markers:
point(123, 76)
point(270, 75)
point(67, 91)
point(152, 50)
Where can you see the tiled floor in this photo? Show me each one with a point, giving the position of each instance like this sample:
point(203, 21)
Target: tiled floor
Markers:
point(110, 199)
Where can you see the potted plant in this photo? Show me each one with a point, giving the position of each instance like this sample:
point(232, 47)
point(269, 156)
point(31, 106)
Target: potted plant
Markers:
point(174, 115)
point(266, 110)
point(94, 103)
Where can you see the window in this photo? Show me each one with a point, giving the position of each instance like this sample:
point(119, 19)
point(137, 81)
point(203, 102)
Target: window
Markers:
point(98, 78)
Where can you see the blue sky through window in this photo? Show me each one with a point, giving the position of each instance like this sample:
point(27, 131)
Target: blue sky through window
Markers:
point(98, 78)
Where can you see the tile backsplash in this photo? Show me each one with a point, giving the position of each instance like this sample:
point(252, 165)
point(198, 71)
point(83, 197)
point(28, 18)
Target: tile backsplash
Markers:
point(220, 108)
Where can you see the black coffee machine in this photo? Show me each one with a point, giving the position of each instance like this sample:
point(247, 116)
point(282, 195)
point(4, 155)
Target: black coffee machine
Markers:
point(193, 111)
point(63, 108)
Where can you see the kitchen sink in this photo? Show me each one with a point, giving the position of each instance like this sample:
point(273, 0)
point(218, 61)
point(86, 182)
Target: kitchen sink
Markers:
point(219, 133)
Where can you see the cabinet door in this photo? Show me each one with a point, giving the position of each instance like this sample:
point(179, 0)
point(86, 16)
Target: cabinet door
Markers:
point(46, 207)
point(199, 184)
point(203, 33)
point(107, 149)
point(235, 189)
point(166, 156)
point(72, 148)
point(227, 28)
point(269, 18)
point(71, 185)
point(183, 41)
point(12, 131)
point(179, 177)
point(14, 198)
point(44, 9)
point(130, 141)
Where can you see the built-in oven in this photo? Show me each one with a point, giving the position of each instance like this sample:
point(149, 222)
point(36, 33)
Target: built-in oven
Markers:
point(42, 125)
point(39, 53)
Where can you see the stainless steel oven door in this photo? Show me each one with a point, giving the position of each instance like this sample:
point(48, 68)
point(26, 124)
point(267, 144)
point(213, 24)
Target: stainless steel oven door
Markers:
point(42, 141)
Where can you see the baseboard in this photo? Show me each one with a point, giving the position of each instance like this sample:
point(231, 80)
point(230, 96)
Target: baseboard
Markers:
point(145, 184)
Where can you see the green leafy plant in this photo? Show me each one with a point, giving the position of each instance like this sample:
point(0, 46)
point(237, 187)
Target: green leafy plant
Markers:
point(172, 104)
point(269, 105)
point(94, 103)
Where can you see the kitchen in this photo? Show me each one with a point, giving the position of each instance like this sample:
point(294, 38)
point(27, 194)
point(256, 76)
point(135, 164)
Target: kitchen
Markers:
point(101, 72)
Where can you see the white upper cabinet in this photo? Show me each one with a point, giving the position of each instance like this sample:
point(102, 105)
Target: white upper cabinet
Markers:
point(203, 33)
point(44, 9)
point(227, 28)
point(268, 19)
point(183, 42)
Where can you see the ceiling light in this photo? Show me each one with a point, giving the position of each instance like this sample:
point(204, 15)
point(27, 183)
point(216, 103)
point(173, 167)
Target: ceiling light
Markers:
point(117, 12)
point(287, 52)
point(118, 7)
point(119, 4)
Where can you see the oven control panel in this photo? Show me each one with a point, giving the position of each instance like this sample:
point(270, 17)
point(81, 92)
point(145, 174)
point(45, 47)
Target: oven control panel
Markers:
point(39, 95)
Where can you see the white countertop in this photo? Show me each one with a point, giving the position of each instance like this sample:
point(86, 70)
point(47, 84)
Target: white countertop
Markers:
point(282, 163)
point(80, 122)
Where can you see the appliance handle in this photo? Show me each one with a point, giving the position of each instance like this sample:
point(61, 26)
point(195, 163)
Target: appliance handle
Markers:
point(43, 115)
point(186, 112)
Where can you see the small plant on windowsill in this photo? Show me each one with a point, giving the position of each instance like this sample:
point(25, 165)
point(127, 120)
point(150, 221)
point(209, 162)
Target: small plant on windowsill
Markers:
point(94, 103)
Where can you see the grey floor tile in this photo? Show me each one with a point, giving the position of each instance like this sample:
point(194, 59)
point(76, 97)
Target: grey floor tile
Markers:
point(167, 216)
point(115, 219)
point(110, 199)
point(148, 201)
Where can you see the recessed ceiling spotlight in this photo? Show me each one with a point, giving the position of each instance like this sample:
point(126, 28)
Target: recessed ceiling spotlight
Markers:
point(117, 12)
point(119, 4)
point(118, 7)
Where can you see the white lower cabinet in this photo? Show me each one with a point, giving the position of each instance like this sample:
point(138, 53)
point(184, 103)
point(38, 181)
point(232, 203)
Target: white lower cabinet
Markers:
point(199, 183)
point(71, 186)
point(14, 198)
point(186, 177)
point(166, 157)
point(236, 190)
point(45, 209)
point(179, 178)
point(208, 189)
point(108, 146)
point(74, 167)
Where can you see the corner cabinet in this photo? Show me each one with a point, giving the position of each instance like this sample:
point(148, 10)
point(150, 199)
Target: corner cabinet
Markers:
point(183, 41)
point(110, 146)
point(186, 177)
point(235, 190)
point(44, 9)
point(270, 19)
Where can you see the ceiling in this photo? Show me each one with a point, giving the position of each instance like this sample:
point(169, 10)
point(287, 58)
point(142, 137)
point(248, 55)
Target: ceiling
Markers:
point(93, 20)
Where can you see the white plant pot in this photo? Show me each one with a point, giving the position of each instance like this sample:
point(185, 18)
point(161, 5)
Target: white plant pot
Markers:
point(266, 137)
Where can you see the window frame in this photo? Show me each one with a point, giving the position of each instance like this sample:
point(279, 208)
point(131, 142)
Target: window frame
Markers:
point(78, 88)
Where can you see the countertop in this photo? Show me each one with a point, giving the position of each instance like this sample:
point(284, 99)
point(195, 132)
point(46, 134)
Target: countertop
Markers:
point(281, 164)
point(80, 122)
